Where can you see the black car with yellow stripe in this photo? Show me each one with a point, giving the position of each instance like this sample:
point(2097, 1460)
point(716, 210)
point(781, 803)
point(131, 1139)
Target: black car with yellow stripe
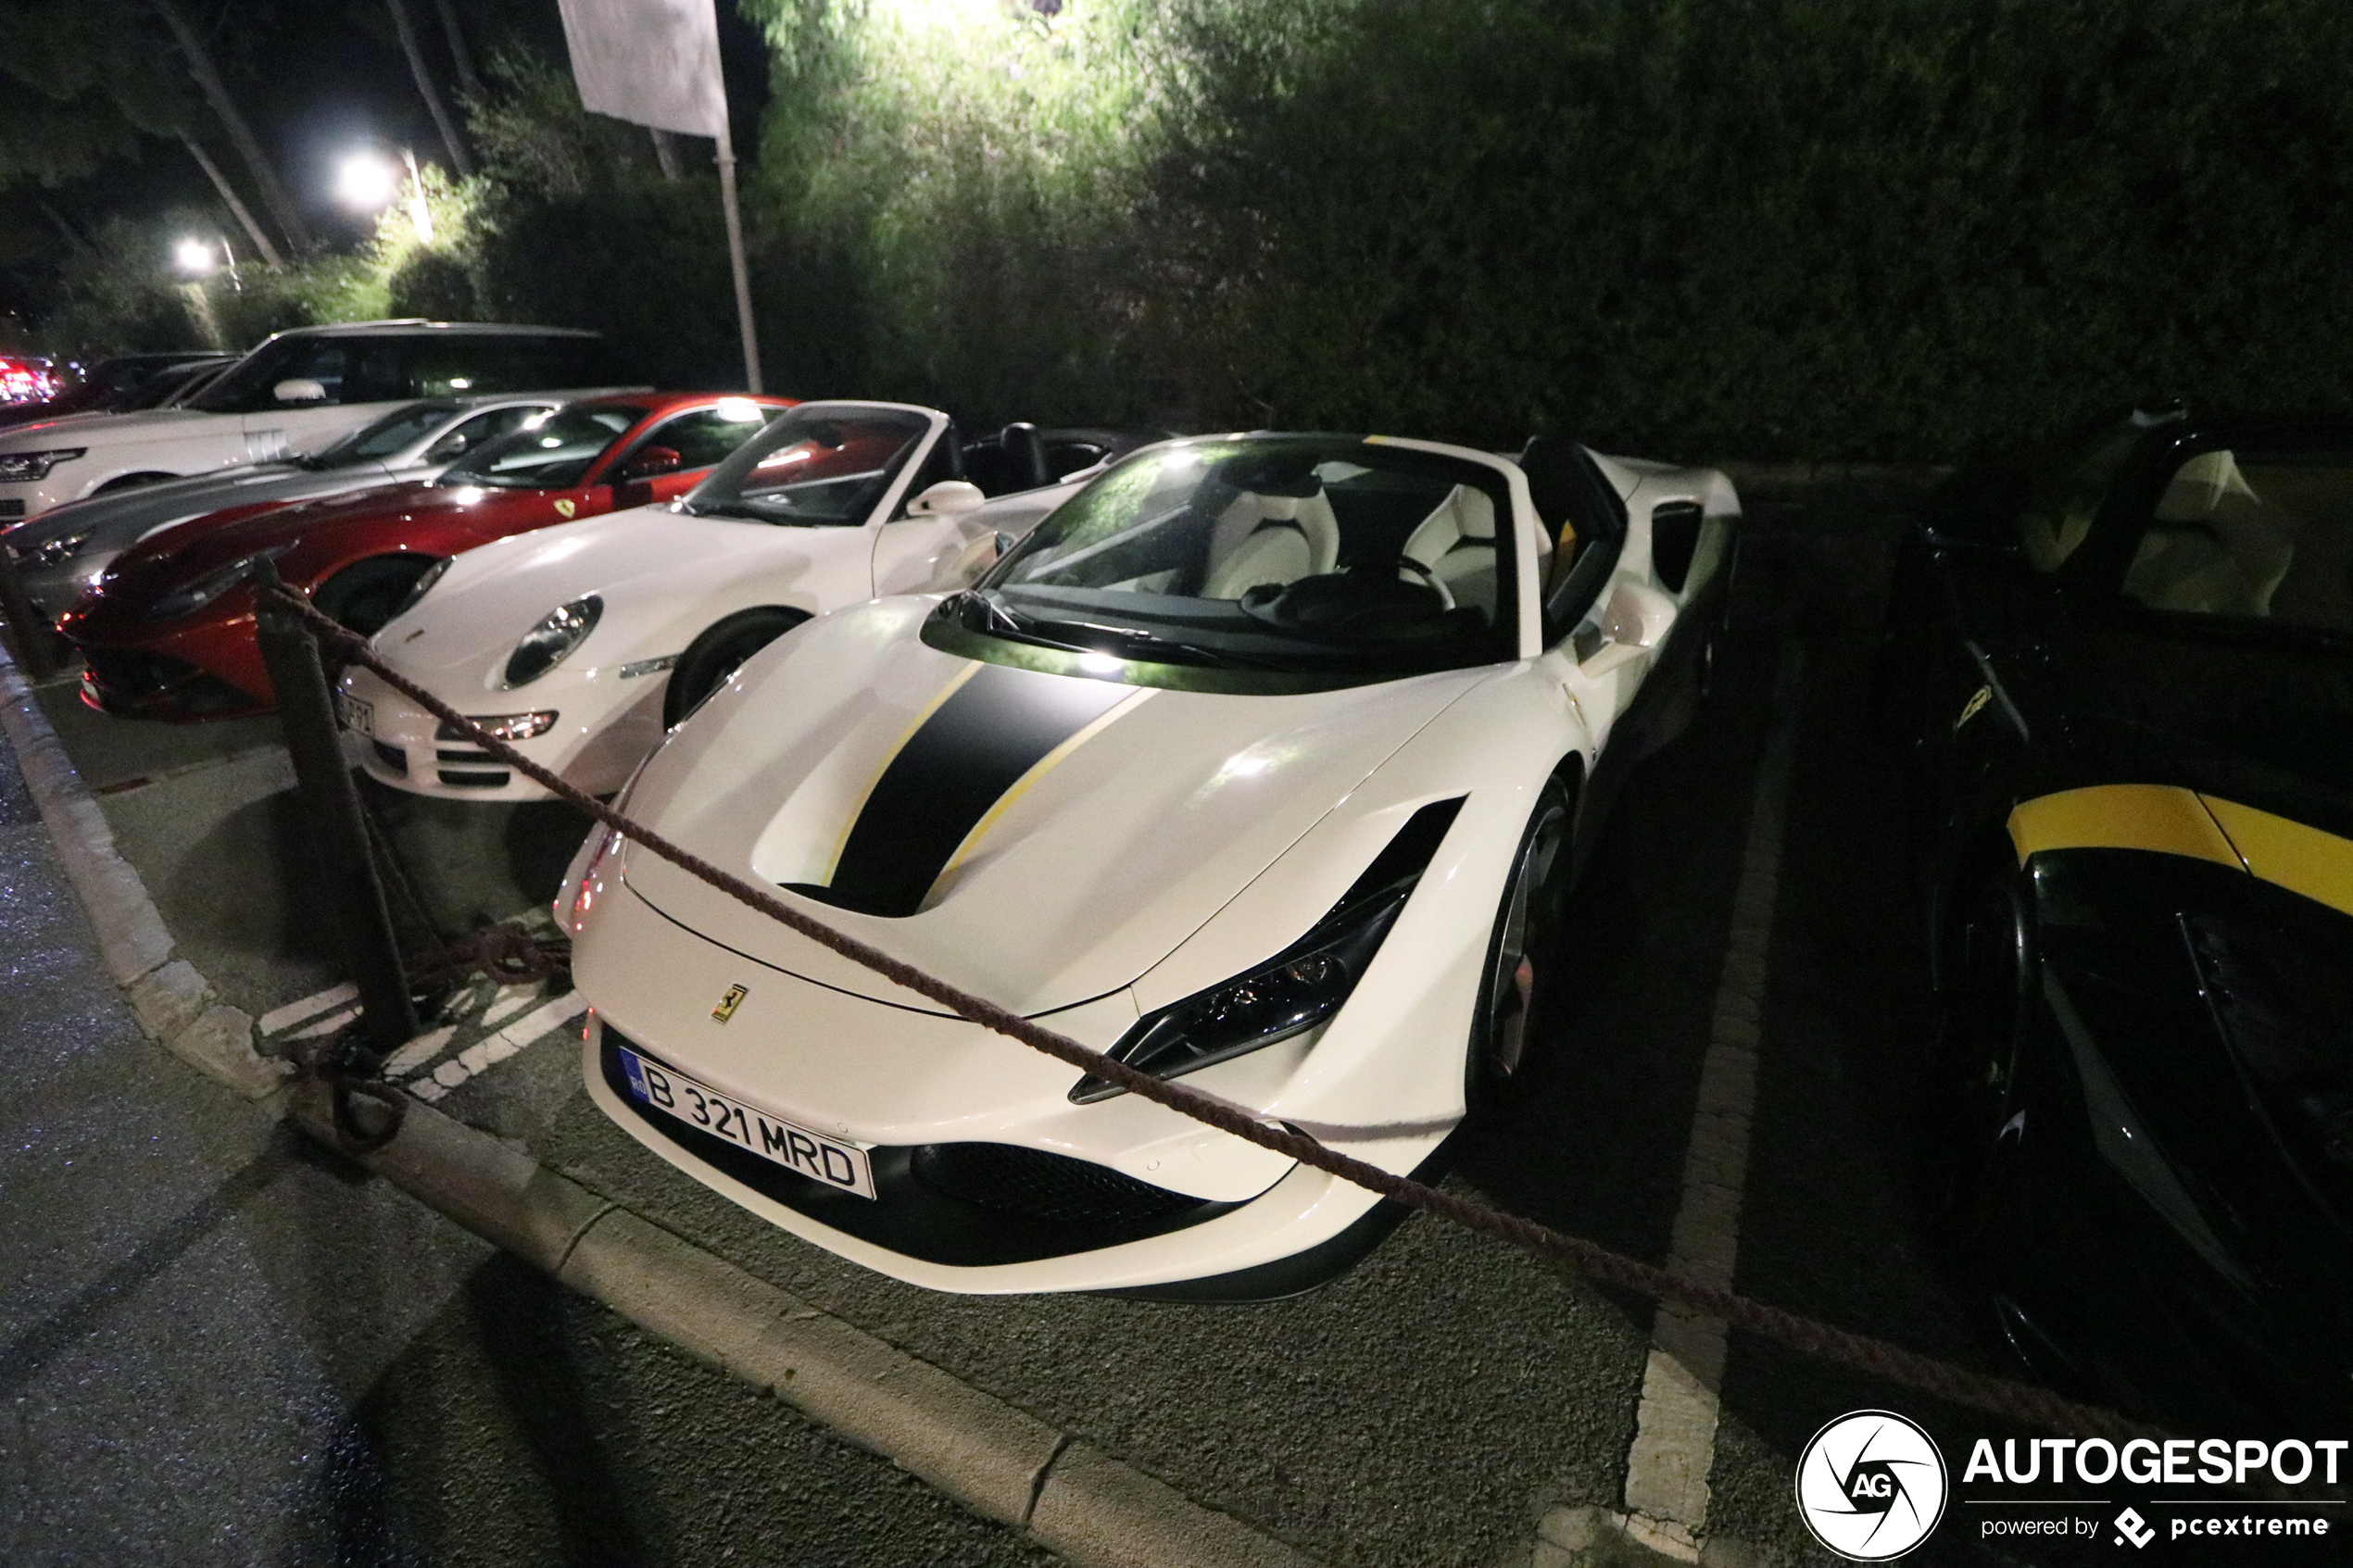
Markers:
point(2124, 671)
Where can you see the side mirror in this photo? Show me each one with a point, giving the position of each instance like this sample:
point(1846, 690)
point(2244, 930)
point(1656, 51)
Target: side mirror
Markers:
point(648, 461)
point(299, 389)
point(950, 497)
point(1635, 622)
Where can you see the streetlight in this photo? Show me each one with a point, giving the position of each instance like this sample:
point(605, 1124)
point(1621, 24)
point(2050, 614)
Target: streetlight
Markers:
point(369, 181)
point(194, 256)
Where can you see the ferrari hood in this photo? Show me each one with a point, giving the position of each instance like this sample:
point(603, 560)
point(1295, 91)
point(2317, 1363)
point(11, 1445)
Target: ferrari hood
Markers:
point(1038, 839)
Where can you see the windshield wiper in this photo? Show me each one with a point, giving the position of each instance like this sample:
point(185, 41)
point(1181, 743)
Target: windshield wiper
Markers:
point(1131, 642)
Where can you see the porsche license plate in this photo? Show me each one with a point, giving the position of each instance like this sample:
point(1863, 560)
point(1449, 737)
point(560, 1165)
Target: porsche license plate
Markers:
point(821, 1159)
point(359, 717)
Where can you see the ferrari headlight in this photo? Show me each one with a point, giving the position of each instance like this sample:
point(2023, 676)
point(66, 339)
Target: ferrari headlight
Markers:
point(1289, 995)
point(547, 644)
point(193, 596)
point(2282, 1001)
point(22, 467)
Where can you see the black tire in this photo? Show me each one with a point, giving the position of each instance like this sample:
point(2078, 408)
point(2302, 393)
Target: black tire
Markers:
point(366, 595)
point(1522, 957)
point(718, 653)
point(1982, 1090)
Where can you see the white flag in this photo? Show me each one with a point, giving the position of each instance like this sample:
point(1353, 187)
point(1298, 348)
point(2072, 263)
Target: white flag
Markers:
point(652, 61)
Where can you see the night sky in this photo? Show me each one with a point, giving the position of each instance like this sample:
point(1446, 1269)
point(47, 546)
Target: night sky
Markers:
point(316, 78)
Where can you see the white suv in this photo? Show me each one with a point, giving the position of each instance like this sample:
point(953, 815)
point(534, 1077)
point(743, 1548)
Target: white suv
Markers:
point(294, 394)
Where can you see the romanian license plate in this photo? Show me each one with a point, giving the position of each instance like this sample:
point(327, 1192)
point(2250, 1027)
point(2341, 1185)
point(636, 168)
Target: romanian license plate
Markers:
point(821, 1159)
point(358, 716)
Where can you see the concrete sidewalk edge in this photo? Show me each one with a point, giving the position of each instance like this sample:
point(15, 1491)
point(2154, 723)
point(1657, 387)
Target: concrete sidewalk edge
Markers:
point(1068, 1496)
point(174, 1004)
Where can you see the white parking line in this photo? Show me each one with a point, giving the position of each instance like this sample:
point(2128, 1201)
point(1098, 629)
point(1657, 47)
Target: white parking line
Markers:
point(487, 1052)
point(418, 1051)
point(1674, 1448)
point(308, 1006)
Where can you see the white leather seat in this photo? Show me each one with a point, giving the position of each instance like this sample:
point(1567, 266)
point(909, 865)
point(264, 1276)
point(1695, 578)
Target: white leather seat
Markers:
point(2215, 547)
point(1269, 539)
point(1457, 542)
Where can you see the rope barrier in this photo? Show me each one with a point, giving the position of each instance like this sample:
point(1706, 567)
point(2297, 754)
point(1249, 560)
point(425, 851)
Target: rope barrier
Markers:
point(1997, 1396)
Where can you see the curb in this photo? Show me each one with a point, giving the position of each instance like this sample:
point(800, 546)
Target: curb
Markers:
point(1065, 1494)
point(175, 1005)
point(995, 1458)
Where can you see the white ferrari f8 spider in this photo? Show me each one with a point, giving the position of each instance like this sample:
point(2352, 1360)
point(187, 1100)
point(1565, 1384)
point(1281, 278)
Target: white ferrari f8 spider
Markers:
point(1265, 761)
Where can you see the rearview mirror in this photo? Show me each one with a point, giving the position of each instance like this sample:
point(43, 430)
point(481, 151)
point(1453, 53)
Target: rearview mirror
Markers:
point(1635, 622)
point(299, 389)
point(948, 498)
point(648, 461)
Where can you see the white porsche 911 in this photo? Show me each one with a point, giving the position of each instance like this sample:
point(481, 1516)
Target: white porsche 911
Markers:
point(581, 642)
point(1265, 761)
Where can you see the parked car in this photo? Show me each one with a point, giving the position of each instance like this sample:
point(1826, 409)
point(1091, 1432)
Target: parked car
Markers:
point(25, 383)
point(2124, 673)
point(294, 394)
point(1264, 761)
point(608, 631)
point(168, 631)
point(61, 552)
point(107, 386)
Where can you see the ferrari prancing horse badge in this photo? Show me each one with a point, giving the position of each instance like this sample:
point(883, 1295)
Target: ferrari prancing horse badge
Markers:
point(728, 1004)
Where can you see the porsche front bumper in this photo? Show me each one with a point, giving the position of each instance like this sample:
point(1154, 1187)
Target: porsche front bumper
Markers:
point(403, 745)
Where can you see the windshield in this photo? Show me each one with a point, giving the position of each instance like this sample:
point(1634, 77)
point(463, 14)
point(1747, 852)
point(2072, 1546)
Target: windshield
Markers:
point(813, 466)
point(551, 453)
point(379, 439)
point(1327, 555)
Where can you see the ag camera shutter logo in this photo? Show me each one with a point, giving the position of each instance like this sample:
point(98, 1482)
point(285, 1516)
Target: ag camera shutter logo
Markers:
point(1871, 1486)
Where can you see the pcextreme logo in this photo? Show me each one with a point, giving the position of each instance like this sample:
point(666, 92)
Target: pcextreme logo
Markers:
point(1871, 1486)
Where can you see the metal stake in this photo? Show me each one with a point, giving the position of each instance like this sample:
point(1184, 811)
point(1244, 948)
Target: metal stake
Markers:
point(331, 806)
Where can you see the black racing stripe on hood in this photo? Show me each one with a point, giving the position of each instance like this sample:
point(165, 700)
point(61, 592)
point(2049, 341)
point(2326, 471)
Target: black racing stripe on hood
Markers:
point(996, 726)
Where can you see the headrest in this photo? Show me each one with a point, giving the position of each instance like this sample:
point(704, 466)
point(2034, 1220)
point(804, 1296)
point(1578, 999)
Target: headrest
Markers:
point(1025, 456)
point(1474, 513)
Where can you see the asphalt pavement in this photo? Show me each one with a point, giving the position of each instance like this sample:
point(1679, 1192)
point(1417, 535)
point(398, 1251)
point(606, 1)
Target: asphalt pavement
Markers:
point(220, 1344)
point(1436, 1405)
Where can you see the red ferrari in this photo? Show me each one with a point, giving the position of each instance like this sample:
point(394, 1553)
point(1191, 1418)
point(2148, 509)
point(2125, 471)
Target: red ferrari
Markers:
point(168, 633)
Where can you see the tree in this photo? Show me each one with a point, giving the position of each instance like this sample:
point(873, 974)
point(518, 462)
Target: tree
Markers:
point(469, 84)
point(410, 46)
point(216, 91)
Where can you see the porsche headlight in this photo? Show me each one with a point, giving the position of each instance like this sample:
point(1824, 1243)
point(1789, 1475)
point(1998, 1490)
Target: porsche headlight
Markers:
point(193, 596)
point(547, 644)
point(502, 726)
point(23, 468)
point(1293, 992)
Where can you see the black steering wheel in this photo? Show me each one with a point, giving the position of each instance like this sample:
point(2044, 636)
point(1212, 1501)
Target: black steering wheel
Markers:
point(1414, 565)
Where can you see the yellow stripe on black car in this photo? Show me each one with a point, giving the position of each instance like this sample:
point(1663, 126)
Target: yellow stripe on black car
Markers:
point(2167, 819)
point(2154, 817)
